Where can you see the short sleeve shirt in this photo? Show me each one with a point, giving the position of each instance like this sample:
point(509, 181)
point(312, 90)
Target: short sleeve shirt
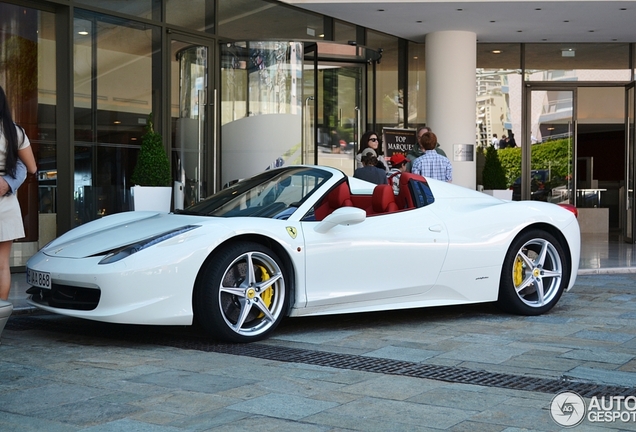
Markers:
point(433, 165)
point(23, 142)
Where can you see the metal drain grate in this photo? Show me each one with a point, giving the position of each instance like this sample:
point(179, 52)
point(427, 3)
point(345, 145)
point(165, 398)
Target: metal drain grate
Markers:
point(145, 335)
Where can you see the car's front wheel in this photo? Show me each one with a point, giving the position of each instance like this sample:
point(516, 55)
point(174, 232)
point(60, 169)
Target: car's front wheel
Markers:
point(534, 274)
point(241, 294)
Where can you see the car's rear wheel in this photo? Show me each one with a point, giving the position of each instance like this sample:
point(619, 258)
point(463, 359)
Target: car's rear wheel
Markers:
point(241, 295)
point(535, 273)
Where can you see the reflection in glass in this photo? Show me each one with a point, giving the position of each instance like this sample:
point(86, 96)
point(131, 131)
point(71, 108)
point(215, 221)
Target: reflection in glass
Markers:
point(113, 98)
point(261, 106)
point(389, 98)
point(552, 146)
point(417, 85)
point(189, 149)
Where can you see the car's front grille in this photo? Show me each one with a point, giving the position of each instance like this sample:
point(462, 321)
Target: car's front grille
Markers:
point(66, 297)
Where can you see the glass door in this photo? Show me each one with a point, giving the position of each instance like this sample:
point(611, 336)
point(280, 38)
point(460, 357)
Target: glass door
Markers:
point(334, 83)
point(338, 122)
point(548, 171)
point(192, 116)
point(630, 172)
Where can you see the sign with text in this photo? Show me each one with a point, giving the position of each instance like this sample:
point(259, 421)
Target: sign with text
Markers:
point(398, 140)
point(463, 152)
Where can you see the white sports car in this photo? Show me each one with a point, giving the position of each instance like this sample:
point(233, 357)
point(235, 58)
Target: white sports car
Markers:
point(308, 240)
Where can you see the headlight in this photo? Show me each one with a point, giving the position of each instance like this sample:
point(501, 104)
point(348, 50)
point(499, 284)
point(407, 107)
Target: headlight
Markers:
point(121, 253)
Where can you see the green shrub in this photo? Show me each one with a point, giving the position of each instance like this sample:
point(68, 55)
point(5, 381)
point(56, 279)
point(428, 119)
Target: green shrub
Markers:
point(555, 156)
point(153, 165)
point(493, 176)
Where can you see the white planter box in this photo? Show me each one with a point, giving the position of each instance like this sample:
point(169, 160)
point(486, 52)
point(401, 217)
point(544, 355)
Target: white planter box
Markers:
point(504, 194)
point(153, 198)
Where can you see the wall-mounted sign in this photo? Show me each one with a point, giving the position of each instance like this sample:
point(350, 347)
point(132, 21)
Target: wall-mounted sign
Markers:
point(464, 152)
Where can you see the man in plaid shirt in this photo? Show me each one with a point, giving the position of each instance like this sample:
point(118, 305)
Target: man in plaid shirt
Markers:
point(431, 164)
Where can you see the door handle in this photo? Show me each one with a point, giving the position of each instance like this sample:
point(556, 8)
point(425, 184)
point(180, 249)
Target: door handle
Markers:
point(435, 228)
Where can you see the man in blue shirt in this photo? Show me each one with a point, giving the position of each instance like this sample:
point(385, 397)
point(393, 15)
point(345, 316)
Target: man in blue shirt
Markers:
point(431, 164)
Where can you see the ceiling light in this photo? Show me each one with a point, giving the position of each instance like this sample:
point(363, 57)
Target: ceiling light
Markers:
point(496, 51)
point(82, 32)
point(117, 122)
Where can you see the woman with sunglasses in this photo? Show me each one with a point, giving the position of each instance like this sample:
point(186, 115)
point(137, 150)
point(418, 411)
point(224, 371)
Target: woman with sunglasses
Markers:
point(370, 140)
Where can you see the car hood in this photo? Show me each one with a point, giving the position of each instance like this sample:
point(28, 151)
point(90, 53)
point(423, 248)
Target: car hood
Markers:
point(115, 231)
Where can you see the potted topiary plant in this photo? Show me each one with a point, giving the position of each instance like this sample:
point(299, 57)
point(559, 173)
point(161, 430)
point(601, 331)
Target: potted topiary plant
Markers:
point(151, 175)
point(494, 176)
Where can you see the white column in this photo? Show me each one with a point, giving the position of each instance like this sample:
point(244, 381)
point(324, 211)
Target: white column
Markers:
point(451, 58)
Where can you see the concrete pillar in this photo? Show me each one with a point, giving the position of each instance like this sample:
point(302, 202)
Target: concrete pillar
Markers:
point(451, 58)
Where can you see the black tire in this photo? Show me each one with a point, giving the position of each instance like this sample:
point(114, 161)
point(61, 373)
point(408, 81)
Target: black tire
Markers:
point(231, 305)
point(535, 272)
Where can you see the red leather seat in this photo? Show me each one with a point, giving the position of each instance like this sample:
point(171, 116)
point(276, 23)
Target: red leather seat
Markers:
point(340, 196)
point(383, 200)
point(404, 199)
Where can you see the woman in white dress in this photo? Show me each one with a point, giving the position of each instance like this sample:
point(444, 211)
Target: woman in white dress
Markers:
point(14, 144)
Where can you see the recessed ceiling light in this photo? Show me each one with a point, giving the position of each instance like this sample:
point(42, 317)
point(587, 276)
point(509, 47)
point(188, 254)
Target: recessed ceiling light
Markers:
point(566, 21)
point(418, 21)
point(380, 10)
point(459, 10)
point(544, 40)
point(117, 122)
point(537, 8)
point(590, 31)
point(614, 40)
point(623, 8)
point(519, 31)
point(82, 32)
point(496, 51)
point(493, 21)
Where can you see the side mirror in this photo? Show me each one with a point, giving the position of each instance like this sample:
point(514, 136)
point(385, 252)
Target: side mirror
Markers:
point(341, 216)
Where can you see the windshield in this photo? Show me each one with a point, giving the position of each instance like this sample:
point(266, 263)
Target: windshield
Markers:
point(273, 194)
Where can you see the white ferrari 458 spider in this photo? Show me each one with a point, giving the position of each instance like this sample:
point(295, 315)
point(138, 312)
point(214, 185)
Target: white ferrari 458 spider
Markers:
point(308, 240)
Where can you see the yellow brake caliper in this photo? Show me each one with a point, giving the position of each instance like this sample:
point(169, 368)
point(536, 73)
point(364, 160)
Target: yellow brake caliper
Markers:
point(517, 272)
point(267, 295)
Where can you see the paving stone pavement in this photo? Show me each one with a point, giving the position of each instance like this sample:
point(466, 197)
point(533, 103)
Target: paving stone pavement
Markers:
point(61, 374)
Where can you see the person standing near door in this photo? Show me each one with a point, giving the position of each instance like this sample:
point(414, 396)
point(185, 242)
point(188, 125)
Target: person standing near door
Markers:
point(14, 146)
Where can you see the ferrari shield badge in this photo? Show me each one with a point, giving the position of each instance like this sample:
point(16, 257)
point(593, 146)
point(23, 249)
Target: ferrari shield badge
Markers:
point(293, 232)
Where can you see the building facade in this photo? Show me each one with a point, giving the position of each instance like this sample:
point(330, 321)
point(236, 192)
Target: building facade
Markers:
point(236, 87)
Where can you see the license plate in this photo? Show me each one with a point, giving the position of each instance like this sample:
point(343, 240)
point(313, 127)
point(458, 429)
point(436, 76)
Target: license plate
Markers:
point(38, 278)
